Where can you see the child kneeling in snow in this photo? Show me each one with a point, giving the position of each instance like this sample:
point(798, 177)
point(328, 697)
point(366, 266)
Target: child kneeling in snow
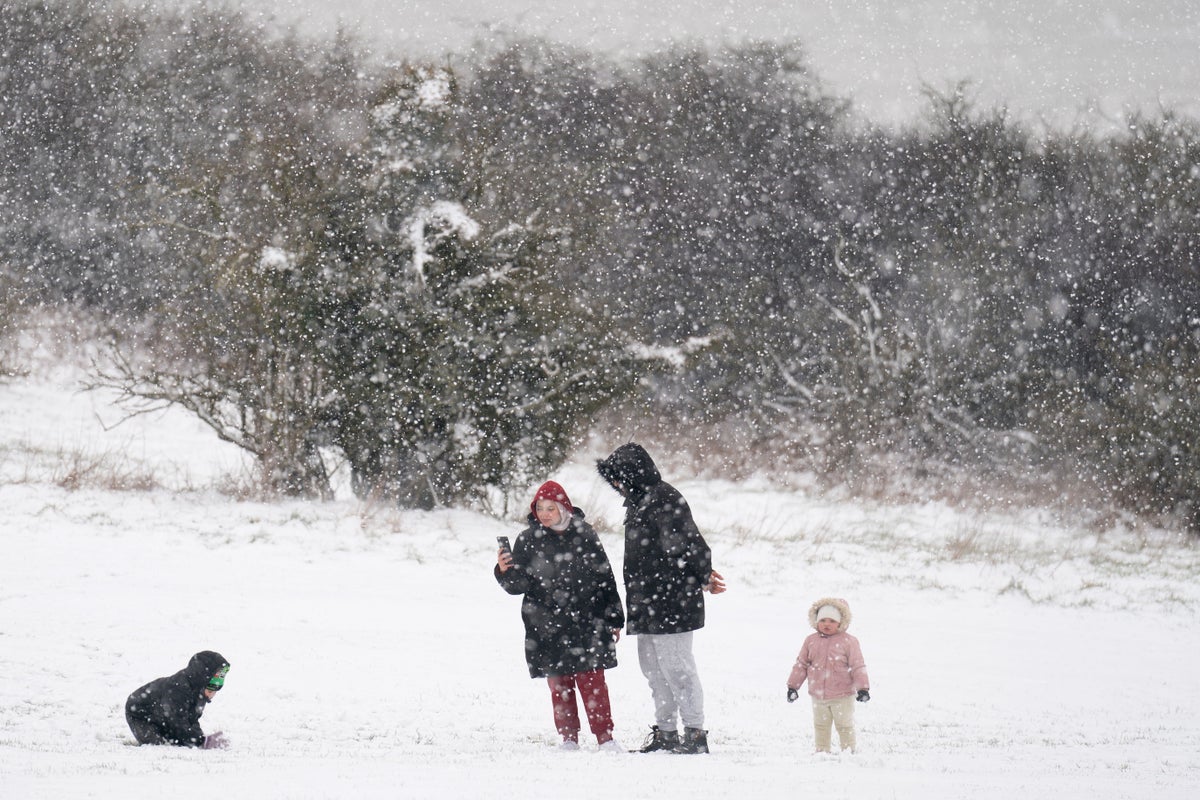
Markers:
point(831, 661)
point(167, 710)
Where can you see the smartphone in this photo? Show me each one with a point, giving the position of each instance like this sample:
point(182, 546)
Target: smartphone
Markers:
point(504, 545)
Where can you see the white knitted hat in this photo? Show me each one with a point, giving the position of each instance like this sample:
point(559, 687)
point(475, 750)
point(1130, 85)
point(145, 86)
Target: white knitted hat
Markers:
point(829, 612)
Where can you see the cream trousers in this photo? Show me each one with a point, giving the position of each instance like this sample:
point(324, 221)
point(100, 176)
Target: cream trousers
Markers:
point(830, 713)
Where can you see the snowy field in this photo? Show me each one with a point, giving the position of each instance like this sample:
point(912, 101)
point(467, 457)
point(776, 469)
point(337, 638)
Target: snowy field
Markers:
point(374, 656)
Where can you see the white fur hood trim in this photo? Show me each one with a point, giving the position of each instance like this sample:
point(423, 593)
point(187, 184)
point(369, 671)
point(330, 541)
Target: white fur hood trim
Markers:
point(838, 603)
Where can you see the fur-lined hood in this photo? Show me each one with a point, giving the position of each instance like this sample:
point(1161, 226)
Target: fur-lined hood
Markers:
point(841, 605)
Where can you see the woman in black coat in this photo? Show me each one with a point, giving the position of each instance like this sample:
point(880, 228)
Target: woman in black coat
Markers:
point(571, 610)
point(167, 710)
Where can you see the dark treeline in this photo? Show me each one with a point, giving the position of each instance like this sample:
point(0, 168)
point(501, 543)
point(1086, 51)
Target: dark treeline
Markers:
point(447, 271)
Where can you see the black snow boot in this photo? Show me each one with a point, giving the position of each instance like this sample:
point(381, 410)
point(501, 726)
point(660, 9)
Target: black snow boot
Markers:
point(659, 740)
point(693, 741)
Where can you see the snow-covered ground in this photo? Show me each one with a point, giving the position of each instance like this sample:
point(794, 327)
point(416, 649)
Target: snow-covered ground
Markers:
point(374, 656)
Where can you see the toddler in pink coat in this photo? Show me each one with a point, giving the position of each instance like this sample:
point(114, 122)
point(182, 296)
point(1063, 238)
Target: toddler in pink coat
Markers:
point(831, 661)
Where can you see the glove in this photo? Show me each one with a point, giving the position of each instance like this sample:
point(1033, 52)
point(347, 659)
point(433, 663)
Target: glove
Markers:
point(863, 696)
point(792, 695)
point(215, 741)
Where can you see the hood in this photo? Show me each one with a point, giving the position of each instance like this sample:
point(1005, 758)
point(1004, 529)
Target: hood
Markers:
point(838, 603)
point(631, 466)
point(203, 666)
point(553, 492)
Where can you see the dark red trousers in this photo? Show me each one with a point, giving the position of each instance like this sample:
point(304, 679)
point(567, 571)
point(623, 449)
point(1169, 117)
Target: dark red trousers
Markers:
point(594, 692)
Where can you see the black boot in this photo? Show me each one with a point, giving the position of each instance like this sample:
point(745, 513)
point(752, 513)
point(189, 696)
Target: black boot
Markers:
point(693, 740)
point(659, 740)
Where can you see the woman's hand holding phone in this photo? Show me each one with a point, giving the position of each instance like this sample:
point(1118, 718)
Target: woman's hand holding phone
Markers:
point(504, 554)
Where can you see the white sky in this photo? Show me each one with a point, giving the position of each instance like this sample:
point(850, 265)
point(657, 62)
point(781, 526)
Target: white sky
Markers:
point(1060, 60)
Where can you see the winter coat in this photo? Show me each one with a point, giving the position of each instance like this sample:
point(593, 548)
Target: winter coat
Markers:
point(167, 710)
point(570, 606)
point(832, 665)
point(667, 561)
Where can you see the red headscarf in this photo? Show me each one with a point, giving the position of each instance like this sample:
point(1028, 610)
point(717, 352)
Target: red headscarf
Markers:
point(553, 492)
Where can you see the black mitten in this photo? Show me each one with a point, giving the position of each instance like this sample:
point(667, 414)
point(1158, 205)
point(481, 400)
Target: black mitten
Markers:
point(863, 696)
point(792, 695)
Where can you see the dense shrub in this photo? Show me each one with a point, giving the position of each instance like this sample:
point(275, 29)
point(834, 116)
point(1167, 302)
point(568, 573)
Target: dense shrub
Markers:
point(442, 271)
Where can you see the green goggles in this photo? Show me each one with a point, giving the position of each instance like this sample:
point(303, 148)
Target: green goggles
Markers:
point(218, 680)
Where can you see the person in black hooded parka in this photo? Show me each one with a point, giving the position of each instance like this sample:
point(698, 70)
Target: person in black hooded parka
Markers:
point(167, 710)
point(668, 567)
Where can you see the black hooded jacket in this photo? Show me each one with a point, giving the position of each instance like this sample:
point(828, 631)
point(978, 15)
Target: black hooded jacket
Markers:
point(571, 605)
point(667, 561)
point(167, 710)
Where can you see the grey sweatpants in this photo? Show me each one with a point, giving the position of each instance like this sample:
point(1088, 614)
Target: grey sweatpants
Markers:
point(667, 662)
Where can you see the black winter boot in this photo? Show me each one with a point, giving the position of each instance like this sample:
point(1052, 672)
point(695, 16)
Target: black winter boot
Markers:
point(659, 740)
point(693, 741)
